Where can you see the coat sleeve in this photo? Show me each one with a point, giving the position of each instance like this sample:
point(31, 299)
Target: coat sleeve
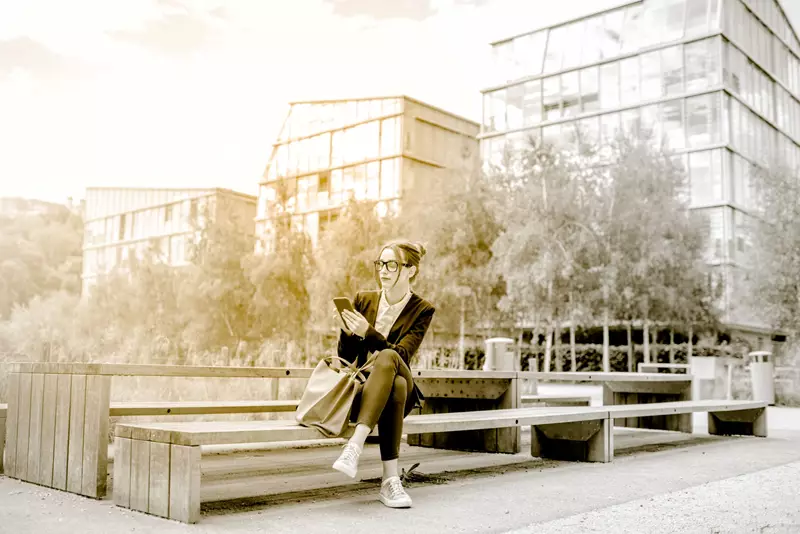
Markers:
point(407, 345)
point(349, 344)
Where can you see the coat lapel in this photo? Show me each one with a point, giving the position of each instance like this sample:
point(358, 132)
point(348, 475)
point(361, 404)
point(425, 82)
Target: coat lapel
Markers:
point(371, 313)
point(404, 320)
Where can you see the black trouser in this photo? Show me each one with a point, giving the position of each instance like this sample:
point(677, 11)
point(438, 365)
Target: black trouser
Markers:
point(386, 399)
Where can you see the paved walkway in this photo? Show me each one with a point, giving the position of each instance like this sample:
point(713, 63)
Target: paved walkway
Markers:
point(659, 483)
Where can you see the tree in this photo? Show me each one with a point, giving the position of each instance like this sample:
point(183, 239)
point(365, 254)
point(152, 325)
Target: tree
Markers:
point(216, 288)
point(280, 305)
point(457, 219)
point(344, 256)
point(773, 276)
point(653, 245)
point(39, 254)
point(542, 249)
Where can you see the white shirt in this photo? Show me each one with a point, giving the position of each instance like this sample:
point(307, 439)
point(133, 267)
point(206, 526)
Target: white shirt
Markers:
point(388, 313)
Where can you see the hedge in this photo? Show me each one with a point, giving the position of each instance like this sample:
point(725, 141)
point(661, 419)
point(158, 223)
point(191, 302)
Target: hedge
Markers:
point(587, 357)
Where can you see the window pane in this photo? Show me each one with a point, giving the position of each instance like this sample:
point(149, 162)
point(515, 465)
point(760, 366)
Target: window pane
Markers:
point(651, 75)
point(630, 123)
point(631, 28)
point(551, 136)
point(629, 76)
point(702, 120)
point(609, 126)
point(611, 37)
point(514, 101)
point(590, 131)
point(390, 137)
point(591, 53)
point(672, 68)
point(706, 177)
point(532, 103)
point(495, 111)
point(551, 98)
point(696, 17)
point(373, 180)
point(573, 44)
point(555, 45)
point(650, 124)
point(590, 99)
point(672, 122)
point(609, 86)
point(570, 93)
point(702, 64)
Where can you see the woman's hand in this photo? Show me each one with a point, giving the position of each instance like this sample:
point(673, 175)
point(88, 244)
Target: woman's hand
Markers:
point(356, 323)
point(338, 319)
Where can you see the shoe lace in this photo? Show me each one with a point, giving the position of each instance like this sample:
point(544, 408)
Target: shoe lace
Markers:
point(350, 453)
point(395, 488)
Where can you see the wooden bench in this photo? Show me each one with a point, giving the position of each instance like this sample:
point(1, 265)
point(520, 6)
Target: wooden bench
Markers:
point(3, 411)
point(127, 409)
point(157, 465)
point(58, 414)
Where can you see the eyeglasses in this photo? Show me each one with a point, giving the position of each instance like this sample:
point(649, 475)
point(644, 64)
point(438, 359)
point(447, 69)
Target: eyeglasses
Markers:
point(391, 265)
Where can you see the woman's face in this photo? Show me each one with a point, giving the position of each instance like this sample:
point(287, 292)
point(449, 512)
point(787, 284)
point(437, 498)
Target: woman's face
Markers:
point(401, 275)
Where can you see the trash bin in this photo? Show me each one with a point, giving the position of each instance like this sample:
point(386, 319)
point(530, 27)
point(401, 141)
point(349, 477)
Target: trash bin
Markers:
point(499, 354)
point(762, 376)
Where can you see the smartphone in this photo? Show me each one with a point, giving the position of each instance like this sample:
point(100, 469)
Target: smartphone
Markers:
point(343, 303)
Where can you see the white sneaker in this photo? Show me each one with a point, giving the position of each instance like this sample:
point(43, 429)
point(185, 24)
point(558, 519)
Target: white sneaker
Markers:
point(348, 460)
point(393, 495)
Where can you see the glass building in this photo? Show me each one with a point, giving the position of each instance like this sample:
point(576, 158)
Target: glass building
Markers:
point(329, 152)
point(123, 223)
point(717, 80)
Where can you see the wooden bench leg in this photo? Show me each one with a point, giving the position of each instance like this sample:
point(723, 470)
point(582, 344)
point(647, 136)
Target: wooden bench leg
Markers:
point(157, 478)
point(2, 440)
point(583, 441)
point(184, 483)
point(751, 422)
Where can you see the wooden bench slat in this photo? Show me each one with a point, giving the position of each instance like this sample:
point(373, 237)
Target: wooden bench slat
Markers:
point(230, 432)
point(119, 409)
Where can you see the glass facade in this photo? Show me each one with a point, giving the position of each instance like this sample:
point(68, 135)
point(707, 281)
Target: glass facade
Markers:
point(716, 81)
point(164, 229)
point(331, 152)
point(328, 153)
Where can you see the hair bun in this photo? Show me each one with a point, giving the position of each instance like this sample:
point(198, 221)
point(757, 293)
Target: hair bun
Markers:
point(421, 249)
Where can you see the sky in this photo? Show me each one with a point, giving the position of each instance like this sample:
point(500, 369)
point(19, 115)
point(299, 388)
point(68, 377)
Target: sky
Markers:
point(192, 93)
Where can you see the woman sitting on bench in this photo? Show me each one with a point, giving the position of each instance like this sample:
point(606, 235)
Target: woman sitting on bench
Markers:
point(390, 322)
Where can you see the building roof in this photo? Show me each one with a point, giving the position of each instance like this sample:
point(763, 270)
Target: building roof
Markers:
point(384, 97)
point(208, 190)
point(587, 14)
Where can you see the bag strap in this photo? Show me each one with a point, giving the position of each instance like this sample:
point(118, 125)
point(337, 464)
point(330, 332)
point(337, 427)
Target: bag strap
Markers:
point(359, 372)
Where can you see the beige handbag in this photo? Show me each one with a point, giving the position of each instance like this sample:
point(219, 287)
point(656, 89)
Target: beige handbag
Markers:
point(328, 398)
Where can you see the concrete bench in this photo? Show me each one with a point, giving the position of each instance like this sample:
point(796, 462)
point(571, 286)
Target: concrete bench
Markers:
point(555, 400)
point(157, 465)
point(725, 417)
point(632, 388)
point(643, 367)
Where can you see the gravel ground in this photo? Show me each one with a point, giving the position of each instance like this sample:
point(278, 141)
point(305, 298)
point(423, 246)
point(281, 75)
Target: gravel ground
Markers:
point(765, 502)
